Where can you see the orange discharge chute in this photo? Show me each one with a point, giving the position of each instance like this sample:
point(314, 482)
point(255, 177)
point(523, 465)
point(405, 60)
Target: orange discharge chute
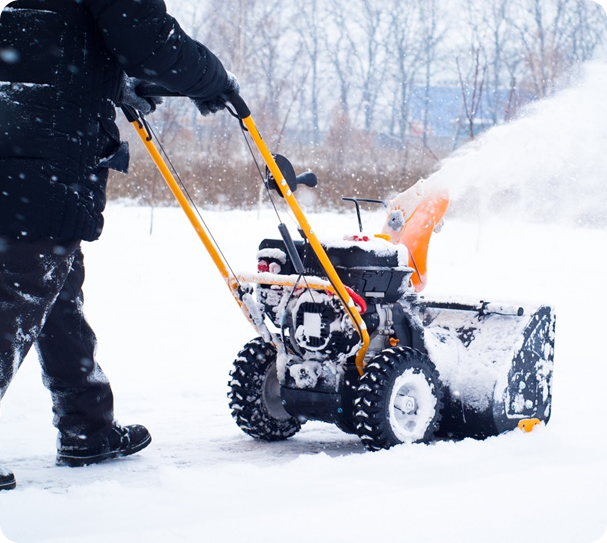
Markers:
point(414, 215)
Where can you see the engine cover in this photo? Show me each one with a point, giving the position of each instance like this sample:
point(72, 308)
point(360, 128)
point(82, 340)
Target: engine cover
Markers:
point(319, 325)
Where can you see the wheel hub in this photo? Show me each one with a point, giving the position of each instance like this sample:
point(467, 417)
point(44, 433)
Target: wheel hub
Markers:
point(411, 406)
point(406, 404)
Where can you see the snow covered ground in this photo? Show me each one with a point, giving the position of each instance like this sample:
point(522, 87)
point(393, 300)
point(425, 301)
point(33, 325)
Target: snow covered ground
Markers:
point(168, 331)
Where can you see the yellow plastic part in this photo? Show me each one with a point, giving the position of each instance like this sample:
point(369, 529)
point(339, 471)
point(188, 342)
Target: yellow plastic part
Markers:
point(383, 236)
point(527, 425)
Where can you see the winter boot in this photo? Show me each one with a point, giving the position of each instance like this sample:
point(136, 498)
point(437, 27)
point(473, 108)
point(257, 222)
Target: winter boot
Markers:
point(7, 479)
point(117, 442)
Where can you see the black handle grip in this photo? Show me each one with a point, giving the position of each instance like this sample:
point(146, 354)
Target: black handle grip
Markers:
point(308, 179)
point(151, 90)
point(238, 103)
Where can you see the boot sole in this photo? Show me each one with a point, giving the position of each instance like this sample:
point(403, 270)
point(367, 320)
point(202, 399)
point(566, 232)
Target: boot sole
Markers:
point(75, 461)
point(8, 485)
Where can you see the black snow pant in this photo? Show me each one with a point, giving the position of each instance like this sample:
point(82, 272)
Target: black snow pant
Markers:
point(41, 304)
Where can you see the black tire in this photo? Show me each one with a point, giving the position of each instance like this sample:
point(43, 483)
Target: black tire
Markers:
point(399, 399)
point(255, 394)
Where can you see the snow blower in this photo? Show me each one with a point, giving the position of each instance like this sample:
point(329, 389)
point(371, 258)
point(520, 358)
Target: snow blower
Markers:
point(345, 337)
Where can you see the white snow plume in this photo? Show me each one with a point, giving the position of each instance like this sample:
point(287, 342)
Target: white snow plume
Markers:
point(549, 164)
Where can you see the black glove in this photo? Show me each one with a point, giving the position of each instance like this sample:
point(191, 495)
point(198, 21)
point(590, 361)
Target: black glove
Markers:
point(129, 96)
point(210, 107)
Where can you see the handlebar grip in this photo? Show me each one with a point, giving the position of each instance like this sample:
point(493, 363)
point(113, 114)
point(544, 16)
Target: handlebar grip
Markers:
point(239, 104)
point(308, 179)
point(151, 90)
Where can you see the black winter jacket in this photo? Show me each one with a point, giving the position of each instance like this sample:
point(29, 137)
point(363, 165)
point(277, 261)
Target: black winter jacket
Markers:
point(61, 68)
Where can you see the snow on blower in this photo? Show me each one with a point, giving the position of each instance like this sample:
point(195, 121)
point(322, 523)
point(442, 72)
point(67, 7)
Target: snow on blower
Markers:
point(345, 337)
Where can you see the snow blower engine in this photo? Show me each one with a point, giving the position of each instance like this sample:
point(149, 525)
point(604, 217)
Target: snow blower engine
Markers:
point(346, 338)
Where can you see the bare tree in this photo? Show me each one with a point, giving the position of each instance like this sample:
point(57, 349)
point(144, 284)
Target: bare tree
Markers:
point(433, 31)
point(340, 50)
point(312, 36)
point(490, 35)
point(543, 28)
point(588, 30)
point(367, 18)
point(472, 85)
point(405, 53)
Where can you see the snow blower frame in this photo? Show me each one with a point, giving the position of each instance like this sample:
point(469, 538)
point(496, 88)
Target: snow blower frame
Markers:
point(344, 338)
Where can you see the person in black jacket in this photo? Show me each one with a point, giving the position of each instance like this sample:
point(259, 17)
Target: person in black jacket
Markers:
point(62, 72)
